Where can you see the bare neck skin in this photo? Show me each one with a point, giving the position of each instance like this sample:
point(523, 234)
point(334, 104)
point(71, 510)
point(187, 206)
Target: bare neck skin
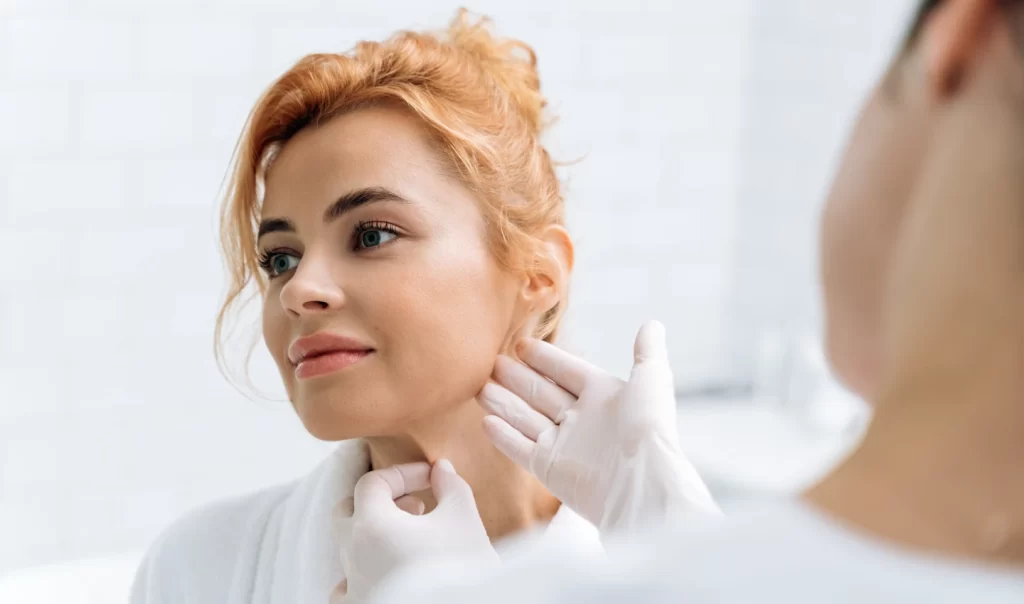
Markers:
point(939, 475)
point(508, 497)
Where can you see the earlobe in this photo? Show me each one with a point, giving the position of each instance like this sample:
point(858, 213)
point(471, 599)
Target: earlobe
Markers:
point(951, 37)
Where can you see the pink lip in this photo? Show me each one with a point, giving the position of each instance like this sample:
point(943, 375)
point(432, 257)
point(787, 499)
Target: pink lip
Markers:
point(323, 353)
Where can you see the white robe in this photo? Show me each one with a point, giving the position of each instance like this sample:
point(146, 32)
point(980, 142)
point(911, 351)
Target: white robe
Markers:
point(276, 546)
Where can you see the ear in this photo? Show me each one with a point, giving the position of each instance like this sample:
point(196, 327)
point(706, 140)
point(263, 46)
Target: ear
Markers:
point(547, 278)
point(951, 37)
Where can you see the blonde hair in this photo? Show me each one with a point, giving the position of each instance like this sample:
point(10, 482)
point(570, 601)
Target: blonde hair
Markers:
point(478, 94)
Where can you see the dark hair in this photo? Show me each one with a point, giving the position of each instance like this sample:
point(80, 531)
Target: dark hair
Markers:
point(920, 16)
point(925, 8)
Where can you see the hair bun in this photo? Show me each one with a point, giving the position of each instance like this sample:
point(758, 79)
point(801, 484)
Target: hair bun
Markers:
point(512, 63)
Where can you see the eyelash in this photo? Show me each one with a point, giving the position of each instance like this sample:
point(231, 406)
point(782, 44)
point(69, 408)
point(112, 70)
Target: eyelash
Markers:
point(374, 225)
point(264, 261)
point(266, 258)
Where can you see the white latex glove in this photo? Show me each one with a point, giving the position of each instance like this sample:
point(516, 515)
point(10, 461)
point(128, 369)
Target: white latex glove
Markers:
point(387, 528)
point(608, 449)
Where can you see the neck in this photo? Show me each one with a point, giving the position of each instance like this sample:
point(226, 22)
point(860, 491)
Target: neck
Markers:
point(940, 470)
point(508, 497)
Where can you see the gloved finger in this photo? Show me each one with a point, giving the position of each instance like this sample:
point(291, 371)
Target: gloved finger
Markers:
point(449, 488)
point(532, 387)
point(411, 504)
point(650, 344)
point(514, 410)
point(376, 491)
point(509, 441)
point(567, 371)
point(651, 368)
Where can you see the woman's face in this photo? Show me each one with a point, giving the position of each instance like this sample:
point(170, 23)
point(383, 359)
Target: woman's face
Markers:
point(385, 303)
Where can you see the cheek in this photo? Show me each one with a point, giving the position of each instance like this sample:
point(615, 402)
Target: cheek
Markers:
point(445, 323)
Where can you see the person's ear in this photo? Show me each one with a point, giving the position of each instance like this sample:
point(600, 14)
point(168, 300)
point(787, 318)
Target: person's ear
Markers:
point(951, 37)
point(545, 283)
point(547, 277)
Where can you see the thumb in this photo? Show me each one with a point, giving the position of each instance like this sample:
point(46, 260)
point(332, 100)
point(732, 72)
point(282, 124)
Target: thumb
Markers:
point(649, 347)
point(651, 380)
point(377, 491)
point(449, 488)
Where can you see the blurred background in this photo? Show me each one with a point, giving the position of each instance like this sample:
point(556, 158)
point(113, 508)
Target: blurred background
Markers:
point(707, 132)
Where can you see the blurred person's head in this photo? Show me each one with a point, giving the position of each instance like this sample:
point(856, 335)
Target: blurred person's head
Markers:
point(886, 159)
point(395, 203)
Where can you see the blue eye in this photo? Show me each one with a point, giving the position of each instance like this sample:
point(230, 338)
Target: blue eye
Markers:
point(277, 263)
point(374, 236)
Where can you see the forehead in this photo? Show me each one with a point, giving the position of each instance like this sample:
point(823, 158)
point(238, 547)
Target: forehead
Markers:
point(371, 147)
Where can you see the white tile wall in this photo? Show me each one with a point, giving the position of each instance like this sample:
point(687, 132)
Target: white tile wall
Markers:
point(698, 124)
point(812, 66)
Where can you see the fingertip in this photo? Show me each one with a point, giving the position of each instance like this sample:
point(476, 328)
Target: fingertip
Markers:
point(445, 480)
point(529, 348)
point(491, 425)
point(653, 331)
point(415, 477)
point(650, 341)
point(494, 429)
point(502, 365)
point(393, 482)
point(488, 395)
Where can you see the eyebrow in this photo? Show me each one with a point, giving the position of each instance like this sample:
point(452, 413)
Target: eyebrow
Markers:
point(347, 202)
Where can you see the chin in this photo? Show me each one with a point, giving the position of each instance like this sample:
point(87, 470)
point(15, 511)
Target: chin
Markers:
point(334, 416)
point(337, 407)
point(332, 427)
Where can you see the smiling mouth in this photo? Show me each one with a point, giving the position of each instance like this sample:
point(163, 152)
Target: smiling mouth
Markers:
point(329, 361)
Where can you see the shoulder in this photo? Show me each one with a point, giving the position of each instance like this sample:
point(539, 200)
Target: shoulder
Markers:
point(200, 556)
point(204, 545)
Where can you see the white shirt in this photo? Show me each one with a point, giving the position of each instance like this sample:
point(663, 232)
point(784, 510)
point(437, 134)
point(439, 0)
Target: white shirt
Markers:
point(784, 552)
point(276, 546)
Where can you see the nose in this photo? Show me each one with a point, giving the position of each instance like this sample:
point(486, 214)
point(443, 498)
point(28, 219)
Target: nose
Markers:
point(312, 289)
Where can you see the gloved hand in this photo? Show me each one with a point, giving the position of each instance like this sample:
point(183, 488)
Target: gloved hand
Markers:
point(608, 449)
point(385, 527)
